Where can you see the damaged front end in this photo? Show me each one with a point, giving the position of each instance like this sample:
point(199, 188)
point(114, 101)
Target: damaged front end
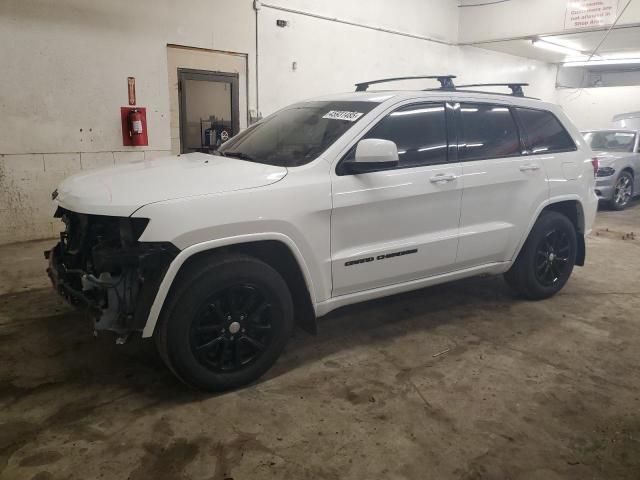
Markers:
point(99, 264)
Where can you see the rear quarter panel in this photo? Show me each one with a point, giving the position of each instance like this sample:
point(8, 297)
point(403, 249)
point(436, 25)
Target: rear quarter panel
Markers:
point(571, 174)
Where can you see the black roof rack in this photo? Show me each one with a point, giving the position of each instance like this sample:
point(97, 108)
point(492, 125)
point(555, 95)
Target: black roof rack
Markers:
point(446, 81)
point(516, 88)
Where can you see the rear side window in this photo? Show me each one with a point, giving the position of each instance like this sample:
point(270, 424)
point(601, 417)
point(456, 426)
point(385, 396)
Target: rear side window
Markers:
point(487, 131)
point(543, 132)
point(419, 131)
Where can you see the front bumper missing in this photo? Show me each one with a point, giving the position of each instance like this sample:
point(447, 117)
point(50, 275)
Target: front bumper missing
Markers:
point(60, 279)
point(118, 302)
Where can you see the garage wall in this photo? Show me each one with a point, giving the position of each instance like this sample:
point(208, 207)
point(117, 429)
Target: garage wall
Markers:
point(64, 78)
point(437, 19)
point(370, 54)
point(592, 108)
point(65, 66)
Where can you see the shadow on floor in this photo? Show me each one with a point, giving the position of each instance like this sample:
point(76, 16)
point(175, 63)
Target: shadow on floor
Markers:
point(61, 350)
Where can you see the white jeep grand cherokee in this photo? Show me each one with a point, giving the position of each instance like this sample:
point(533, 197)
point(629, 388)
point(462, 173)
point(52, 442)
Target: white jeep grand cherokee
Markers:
point(323, 204)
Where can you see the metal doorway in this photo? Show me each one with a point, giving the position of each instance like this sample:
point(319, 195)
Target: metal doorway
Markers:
point(209, 109)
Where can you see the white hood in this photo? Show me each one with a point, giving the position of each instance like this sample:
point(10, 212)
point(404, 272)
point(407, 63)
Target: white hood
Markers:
point(121, 190)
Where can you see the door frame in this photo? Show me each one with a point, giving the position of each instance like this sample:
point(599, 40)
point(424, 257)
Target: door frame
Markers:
point(207, 76)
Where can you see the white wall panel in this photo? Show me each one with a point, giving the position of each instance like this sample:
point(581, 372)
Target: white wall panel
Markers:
point(345, 55)
point(431, 18)
point(66, 63)
point(592, 108)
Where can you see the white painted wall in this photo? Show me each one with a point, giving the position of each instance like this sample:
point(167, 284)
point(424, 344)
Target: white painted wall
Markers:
point(65, 65)
point(64, 71)
point(436, 19)
point(518, 18)
point(344, 55)
point(592, 108)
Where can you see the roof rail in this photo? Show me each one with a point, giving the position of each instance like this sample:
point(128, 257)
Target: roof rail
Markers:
point(516, 88)
point(446, 81)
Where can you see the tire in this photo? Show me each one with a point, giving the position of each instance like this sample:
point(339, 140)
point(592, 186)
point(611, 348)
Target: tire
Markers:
point(547, 258)
point(622, 192)
point(226, 323)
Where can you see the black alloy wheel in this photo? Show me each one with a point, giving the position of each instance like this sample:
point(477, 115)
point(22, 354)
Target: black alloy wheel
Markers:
point(232, 329)
point(546, 259)
point(226, 322)
point(552, 257)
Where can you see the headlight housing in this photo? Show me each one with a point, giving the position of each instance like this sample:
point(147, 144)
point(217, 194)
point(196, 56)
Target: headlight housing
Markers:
point(605, 172)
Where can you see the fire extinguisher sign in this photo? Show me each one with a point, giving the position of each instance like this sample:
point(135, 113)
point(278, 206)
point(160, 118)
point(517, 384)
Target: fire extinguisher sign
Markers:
point(131, 84)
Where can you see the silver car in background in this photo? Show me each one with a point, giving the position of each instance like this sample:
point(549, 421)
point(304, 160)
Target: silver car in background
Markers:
point(618, 176)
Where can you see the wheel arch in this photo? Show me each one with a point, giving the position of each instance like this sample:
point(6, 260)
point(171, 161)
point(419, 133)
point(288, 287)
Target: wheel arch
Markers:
point(574, 211)
point(275, 249)
point(635, 178)
point(628, 168)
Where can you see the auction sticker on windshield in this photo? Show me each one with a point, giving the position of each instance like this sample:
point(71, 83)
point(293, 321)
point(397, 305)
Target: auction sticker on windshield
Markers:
point(343, 115)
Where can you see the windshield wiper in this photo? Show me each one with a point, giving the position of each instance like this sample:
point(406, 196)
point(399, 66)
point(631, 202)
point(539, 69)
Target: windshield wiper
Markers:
point(240, 156)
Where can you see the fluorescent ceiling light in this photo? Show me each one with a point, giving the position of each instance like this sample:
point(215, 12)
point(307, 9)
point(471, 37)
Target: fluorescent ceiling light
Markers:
point(611, 61)
point(554, 47)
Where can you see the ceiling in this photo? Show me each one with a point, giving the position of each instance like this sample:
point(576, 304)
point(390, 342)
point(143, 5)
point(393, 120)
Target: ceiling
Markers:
point(622, 42)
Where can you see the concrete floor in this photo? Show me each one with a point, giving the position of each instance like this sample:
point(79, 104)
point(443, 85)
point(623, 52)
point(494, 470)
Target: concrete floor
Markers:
point(525, 390)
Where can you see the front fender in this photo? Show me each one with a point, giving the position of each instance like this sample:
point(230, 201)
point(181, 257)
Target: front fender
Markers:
point(188, 252)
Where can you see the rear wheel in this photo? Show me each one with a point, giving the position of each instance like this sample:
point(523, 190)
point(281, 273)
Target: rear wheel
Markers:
point(547, 258)
point(622, 192)
point(226, 323)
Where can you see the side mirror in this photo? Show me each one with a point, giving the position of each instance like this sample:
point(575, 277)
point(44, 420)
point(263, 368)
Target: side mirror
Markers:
point(373, 154)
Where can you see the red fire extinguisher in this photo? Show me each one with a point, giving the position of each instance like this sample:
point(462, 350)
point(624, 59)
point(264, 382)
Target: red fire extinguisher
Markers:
point(136, 127)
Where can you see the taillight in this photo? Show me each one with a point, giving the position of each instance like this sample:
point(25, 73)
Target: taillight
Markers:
point(596, 164)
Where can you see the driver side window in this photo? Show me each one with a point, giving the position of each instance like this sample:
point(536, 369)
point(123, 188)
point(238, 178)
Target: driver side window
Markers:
point(419, 131)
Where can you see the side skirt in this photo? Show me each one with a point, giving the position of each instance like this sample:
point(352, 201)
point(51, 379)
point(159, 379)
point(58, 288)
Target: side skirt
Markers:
point(327, 306)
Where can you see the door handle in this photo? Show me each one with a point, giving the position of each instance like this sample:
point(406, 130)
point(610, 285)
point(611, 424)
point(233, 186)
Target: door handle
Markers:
point(529, 167)
point(443, 178)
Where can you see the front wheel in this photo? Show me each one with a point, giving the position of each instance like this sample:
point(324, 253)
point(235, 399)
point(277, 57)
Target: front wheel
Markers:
point(622, 192)
point(226, 323)
point(547, 258)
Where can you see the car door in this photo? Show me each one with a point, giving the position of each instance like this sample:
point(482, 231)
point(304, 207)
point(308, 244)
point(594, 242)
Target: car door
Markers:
point(502, 185)
point(401, 224)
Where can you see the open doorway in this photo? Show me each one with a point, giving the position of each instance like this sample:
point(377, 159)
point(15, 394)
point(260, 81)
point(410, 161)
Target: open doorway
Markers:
point(207, 97)
point(209, 110)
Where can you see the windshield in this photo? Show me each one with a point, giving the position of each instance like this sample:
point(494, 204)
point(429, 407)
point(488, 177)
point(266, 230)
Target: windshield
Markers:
point(296, 135)
point(611, 140)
